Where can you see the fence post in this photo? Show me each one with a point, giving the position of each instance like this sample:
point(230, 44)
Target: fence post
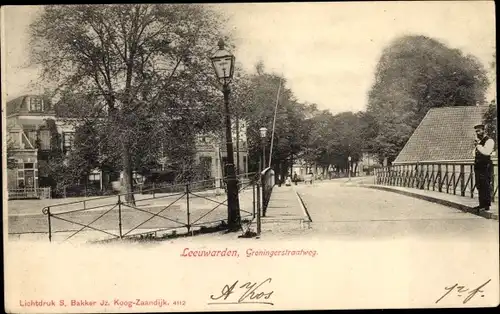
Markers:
point(427, 175)
point(414, 174)
point(50, 227)
point(455, 180)
point(187, 206)
point(447, 180)
point(433, 176)
point(406, 176)
point(401, 175)
point(440, 188)
point(462, 180)
point(258, 209)
point(120, 215)
point(472, 181)
point(253, 198)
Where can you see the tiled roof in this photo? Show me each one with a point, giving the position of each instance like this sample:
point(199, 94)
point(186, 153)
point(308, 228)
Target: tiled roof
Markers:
point(445, 133)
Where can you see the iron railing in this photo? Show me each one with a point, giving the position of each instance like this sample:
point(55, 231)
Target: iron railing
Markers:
point(449, 177)
point(267, 188)
point(190, 206)
point(29, 193)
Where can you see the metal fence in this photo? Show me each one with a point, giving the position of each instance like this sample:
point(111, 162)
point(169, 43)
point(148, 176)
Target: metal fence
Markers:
point(267, 188)
point(185, 206)
point(29, 193)
point(449, 177)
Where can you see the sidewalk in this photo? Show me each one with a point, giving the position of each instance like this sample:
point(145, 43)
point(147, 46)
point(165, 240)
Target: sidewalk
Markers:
point(285, 215)
point(284, 205)
point(465, 204)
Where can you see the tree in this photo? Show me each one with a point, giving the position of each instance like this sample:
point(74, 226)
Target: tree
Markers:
point(414, 74)
point(11, 161)
point(491, 121)
point(133, 64)
point(257, 94)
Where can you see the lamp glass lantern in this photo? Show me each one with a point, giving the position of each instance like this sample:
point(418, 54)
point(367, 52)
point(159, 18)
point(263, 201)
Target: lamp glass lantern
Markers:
point(263, 132)
point(349, 158)
point(223, 63)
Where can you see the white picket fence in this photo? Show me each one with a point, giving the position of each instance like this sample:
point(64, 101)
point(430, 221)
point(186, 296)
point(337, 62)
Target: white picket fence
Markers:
point(27, 193)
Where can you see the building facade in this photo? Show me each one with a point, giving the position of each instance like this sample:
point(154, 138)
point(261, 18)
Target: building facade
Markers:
point(30, 138)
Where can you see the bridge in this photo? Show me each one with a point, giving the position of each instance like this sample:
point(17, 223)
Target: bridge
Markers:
point(396, 201)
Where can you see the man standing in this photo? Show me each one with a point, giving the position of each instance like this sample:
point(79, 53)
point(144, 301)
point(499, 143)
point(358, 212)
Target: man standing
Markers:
point(483, 166)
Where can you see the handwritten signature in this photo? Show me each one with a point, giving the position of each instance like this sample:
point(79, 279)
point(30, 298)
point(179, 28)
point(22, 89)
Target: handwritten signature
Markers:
point(460, 290)
point(248, 293)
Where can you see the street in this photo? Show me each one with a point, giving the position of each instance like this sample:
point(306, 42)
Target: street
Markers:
point(342, 210)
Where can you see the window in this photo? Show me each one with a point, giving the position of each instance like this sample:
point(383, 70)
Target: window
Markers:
point(36, 104)
point(94, 177)
point(32, 136)
point(45, 139)
point(68, 140)
point(13, 139)
point(28, 165)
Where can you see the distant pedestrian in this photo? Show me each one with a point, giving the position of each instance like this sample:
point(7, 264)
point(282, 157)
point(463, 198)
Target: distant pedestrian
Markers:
point(295, 178)
point(483, 166)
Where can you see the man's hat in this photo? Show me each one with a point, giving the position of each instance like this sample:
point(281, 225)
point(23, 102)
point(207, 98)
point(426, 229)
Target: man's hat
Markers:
point(479, 126)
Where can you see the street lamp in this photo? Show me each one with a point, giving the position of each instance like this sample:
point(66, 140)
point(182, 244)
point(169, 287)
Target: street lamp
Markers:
point(349, 167)
point(223, 63)
point(263, 134)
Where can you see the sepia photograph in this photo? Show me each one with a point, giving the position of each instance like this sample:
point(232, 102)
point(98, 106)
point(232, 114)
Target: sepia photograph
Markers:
point(249, 156)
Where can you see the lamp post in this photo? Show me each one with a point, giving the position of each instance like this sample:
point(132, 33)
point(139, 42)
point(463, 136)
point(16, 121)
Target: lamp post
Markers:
point(263, 134)
point(349, 167)
point(223, 63)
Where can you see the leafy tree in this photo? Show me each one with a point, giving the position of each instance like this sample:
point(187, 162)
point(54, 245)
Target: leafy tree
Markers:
point(11, 161)
point(258, 97)
point(134, 64)
point(491, 122)
point(414, 74)
point(490, 116)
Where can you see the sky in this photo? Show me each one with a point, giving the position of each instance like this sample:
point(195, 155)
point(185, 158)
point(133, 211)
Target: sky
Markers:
point(327, 51)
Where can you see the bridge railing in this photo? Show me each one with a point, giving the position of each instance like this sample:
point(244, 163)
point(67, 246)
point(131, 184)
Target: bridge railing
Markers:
point(448, 177)
point(267, 187)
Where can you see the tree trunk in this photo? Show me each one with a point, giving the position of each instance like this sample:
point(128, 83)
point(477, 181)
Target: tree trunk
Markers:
point(127, 174)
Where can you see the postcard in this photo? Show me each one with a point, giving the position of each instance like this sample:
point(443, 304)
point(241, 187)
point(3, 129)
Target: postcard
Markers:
point(249, 157)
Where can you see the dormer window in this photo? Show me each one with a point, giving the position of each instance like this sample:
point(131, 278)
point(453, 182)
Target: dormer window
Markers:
point(36, 104)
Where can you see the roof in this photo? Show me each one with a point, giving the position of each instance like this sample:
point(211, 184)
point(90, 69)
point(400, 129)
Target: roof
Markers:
point(20, 104)
point(444, 134)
